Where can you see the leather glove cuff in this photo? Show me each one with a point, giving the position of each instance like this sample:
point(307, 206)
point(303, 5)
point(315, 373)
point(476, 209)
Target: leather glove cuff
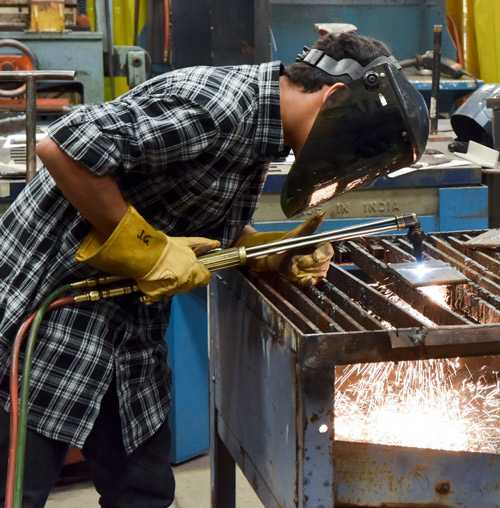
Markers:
point(132, 250)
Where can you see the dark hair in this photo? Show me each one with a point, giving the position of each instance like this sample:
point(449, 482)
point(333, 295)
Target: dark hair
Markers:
point(338, 46)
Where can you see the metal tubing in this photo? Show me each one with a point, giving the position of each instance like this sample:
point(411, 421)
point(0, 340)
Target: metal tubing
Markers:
point(30, 128)
point(227, 258)
point(371, 228)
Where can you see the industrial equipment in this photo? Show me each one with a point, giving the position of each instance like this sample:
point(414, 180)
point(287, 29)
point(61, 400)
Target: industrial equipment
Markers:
point(276, 351)
point(447, 66)
point(30, 79)
point(59, 34)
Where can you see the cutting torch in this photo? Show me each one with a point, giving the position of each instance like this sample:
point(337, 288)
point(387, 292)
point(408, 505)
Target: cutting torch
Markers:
point(239, 256)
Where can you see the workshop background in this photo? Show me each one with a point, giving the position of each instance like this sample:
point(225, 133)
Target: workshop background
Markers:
point(236, 416)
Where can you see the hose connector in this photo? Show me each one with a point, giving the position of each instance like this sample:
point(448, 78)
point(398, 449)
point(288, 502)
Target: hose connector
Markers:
point(98, 280)
point(101, 293)
point(407, 221)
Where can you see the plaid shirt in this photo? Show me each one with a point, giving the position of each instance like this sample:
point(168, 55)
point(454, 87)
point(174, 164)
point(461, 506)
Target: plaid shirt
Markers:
point(190, 150)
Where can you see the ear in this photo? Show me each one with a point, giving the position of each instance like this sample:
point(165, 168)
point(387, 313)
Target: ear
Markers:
point(329, 90)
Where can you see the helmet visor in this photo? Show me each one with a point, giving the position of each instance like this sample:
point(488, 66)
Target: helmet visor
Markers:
point(373, 125)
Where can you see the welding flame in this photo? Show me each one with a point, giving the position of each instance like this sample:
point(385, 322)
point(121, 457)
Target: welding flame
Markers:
point(424, 404)
point(420, 271)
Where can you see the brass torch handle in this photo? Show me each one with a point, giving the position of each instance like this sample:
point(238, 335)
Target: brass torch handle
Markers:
point(224, 259)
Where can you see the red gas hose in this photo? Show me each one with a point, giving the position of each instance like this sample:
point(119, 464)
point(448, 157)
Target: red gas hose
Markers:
point(14, 396)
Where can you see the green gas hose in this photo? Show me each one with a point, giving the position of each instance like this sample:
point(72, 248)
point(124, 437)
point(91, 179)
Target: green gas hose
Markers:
point(25, 386)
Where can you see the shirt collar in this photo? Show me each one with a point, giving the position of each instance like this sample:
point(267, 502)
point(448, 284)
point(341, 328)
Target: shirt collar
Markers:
point(269, 137)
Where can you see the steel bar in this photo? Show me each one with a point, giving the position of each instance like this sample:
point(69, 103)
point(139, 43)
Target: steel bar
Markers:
point(395, 250)
point(293, 314)
point(351, 316)
point(489, 262)
point(355, 311)
point(436, 60)
point(470, 269)
point(450, 341)
point(492, 299)
point(30, 128)
point(399, 250)
point(429, 308)
point(312, 312)
point(371, 299)
point(451, 251)
point(473, 306)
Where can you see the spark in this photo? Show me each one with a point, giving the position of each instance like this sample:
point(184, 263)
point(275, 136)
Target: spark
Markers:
point(384, 289)
point(426, 404)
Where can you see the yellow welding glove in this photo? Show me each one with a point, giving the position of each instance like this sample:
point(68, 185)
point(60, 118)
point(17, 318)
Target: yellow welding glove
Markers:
point(161, 265)
point(305, 267)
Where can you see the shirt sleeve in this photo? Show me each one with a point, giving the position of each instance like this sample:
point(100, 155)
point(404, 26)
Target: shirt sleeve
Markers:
point(143, 134)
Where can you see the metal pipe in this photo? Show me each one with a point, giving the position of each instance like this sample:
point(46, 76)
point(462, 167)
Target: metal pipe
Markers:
point(227, 258)
point(434, 103)
point(109, 38)
point(30, 128)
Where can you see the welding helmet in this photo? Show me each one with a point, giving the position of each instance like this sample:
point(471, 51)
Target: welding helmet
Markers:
point(472, 121)
point(377, 123)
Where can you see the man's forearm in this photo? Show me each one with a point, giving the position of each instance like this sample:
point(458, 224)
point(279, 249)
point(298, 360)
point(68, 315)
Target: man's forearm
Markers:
point(97, 198)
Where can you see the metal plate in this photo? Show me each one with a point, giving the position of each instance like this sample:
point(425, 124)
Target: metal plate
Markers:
point(489, 239)
point(428, 273)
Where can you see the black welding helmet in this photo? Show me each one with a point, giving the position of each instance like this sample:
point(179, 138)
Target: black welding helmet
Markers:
point(377, 123)
point(473, 119)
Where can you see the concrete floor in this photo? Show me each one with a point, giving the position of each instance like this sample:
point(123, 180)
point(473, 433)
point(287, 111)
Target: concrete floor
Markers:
point(192, 491)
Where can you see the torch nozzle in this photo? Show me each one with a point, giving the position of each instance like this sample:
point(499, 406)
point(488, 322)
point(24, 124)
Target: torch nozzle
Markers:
point(416, 236)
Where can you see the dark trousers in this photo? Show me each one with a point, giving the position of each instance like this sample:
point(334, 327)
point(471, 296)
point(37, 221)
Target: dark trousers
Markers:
point(143, 479)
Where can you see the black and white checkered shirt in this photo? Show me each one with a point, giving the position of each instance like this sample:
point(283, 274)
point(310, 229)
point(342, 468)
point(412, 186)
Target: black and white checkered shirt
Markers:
point(190, 150)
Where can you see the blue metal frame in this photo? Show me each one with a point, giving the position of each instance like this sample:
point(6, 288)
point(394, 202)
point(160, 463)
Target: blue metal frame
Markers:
point(187, 340)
